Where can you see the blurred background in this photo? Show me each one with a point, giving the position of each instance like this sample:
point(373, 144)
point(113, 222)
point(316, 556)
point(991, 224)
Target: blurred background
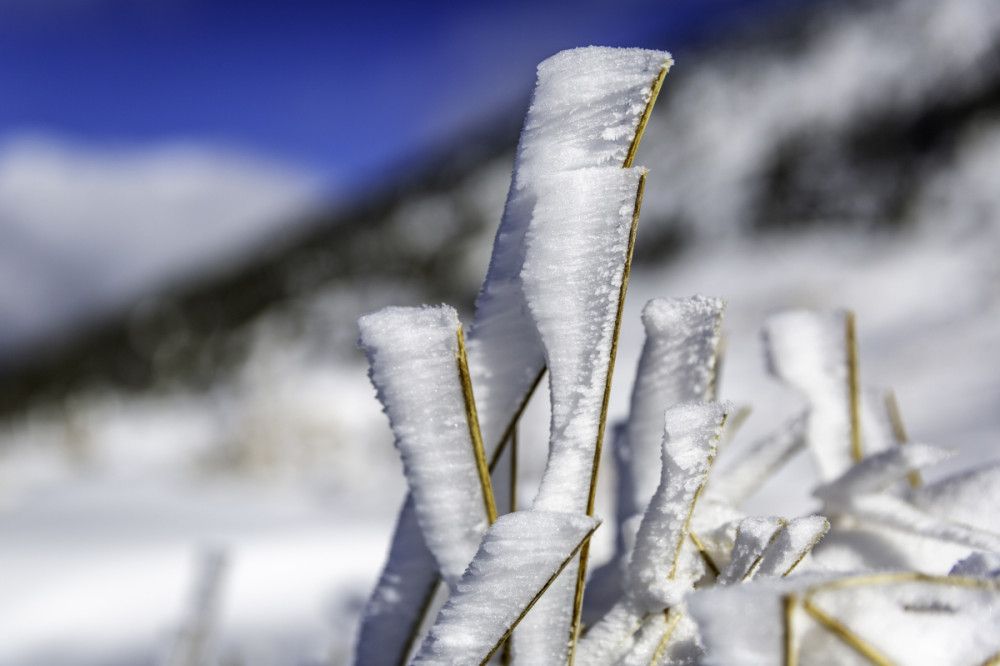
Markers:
point(199, 198)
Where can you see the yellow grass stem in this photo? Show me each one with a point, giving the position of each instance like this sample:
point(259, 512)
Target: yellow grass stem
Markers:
point(581, 576)
point(672, 617)
point(474, 433)
point(513, 470)
point(514, 420)
point(654, 92)
point(896, 577)
point(774, 537)
point(733, 425)
point(790, 603)
point(718, 362)
point(993, 661)
point(694, 503)
point(861, 646)
point(700, 545)
point(899, 433)
point(806, 551)
point(548, 584)
point(425, 606)
point(853, 388)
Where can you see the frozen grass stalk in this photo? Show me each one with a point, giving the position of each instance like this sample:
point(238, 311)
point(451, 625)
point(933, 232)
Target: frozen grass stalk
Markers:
point(690, 565)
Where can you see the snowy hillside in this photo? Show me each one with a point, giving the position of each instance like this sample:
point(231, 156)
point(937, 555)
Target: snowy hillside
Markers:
point(850, 163)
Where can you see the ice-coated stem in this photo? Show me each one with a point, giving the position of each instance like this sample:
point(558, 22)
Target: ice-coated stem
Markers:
point(899, 433)
point(853, 386)
point(475, 436)
point(409, 350)
point(519, 558)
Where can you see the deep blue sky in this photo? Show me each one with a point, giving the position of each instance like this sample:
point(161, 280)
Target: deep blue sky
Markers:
point(338, 89)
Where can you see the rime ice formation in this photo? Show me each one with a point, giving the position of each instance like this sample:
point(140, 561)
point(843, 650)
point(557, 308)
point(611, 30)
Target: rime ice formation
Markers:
point(413, 358)
point(407, 582)
point(585, 112)
point(572, 277)
point(792, 543)
point(588, 110)
point(753, 536)
point(677, 365)
point(692, 431)
point(656, 578)
point(519, 556)
point(891, 572)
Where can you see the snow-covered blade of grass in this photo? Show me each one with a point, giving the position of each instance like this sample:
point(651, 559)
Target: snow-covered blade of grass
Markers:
point(809, 351)
point(520, 556)
point(394, 610)
point(574, 275)
point(677, 365)
point(968, 498)
point(574, 267)
point(588, 110)
point(413, 355)
point(656, 578)
point(791, 545)
point(753, 536)
point(879, 471)
point(904, 620)
point(656, 573)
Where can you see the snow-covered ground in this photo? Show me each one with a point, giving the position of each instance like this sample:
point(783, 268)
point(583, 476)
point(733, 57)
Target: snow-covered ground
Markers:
point(108, 502)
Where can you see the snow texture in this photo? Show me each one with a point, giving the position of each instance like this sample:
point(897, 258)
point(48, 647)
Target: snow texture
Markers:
point(577, 248)
point(520, 554)
point(891, 511)
point(969, 498)
point(413, 358)
point(792, 543)
point(737, 482)
point(585, 112)
point(688, 449)
point(578, 245)
point(741, 625)
point(613, 637)
point(393, 611)
point(648, 640)
point(808, 350)
point(753, 536)
point(677, 365)
point(921, 622)
point(878, 472)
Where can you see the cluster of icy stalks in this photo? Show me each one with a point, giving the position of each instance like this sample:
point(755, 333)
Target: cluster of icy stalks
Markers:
point(893, 571)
